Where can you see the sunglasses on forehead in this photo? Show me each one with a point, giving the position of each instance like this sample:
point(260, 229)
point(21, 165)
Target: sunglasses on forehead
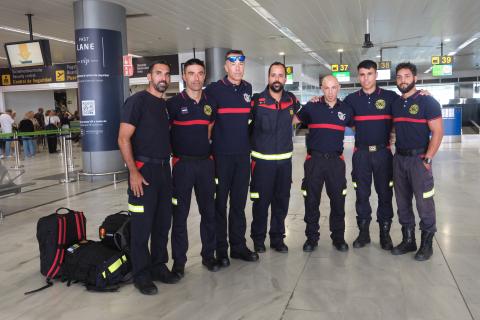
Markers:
point(234, 59)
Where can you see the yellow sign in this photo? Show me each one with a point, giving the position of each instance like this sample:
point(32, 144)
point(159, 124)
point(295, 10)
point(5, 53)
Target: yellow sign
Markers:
point(289, 70)
point(339, 67)
point(59, 75)
point(442, 60)
point(6, 81)
point(384, 65)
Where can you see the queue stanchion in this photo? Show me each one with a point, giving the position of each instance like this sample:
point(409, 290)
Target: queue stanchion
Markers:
point(16, 152)
point(71, 165)
point(66, 178)
point(62, 149)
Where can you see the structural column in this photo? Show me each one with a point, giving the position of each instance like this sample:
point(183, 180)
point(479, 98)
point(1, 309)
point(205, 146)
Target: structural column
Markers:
point(100, 43)
point(215, 62)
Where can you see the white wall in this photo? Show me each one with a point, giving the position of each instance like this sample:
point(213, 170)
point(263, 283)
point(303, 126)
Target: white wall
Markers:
point(255, 73)
point(22, 102)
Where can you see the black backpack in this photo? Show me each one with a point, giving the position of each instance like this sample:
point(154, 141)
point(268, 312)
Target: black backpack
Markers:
point(115, 231)
point(55, 233)
point(98, 267)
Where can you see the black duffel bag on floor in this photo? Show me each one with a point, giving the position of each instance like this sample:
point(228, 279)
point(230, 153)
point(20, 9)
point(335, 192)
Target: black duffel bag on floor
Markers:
point(115, 231)
point(98, 267)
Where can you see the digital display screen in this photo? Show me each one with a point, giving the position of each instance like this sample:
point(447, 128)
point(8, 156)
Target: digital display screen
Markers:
point(439, 70)
point(28, 53)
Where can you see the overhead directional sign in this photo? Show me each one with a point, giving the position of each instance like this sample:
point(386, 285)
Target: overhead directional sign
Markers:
point(340, 67)
point(442, 60)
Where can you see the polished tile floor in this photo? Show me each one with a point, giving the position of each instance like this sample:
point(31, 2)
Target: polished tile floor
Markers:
point(366, 283)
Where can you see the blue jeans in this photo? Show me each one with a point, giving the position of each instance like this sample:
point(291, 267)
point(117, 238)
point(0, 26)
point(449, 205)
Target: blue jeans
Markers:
point(28, 147)
point(7, 148)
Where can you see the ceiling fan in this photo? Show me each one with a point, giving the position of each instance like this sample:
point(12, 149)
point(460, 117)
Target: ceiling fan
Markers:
point(367, 42)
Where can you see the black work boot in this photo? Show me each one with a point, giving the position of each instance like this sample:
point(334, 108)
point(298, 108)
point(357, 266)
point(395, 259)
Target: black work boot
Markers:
point(385, 239)
point(408, 243)
point(426, 250)
point(364, 235)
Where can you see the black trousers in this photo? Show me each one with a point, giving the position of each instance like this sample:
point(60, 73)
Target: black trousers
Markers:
point(270, 186)
point(330, 171)
point(199, 175)
point(52, 143)
point(412, 179)
point(378, 165)
point(232, 178)
point(151, 218)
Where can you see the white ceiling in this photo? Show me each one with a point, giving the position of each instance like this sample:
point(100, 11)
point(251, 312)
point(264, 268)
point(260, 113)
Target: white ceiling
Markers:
point(231, 23)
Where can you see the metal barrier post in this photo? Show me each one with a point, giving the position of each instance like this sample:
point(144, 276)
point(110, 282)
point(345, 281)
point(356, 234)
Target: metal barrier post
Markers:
point(66, 179)
point(16, 152)
point(62, 149)
point(71, 165)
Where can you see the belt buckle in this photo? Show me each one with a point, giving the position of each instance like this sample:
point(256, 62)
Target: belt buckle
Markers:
point(372, 148)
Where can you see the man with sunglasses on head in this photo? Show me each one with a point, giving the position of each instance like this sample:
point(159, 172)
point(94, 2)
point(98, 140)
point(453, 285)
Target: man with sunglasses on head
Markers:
point(231, 149)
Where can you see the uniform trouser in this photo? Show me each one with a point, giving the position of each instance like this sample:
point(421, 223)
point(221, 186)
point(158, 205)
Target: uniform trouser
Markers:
point(379, 165)
point(270, 185)
point(52, 143)
point(199, 175)
point(411, 178)
point(151, 216)
point(331, 172)
point(232, 177)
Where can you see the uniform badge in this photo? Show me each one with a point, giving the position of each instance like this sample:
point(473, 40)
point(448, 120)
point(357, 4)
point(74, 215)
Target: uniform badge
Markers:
point(413, 109)
point(184, 110)
point(291, 111)
point(246, 96)
point(341, 116)
point(207, 110)
point(380, 104)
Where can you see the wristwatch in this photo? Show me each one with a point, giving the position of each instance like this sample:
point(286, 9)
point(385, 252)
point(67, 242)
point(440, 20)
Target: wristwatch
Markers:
point(427, 160)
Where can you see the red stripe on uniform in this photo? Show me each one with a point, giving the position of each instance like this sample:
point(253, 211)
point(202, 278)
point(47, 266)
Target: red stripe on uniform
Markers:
point(191, 122)
point(268, 106)
point(404, 119)
point(326, 126)
point(368, 118)
point(233, 110)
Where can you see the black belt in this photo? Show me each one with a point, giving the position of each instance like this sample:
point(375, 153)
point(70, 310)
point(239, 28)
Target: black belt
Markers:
point(192, 157)
point(153, 160)
point(410, 152)
point(372, 148)
point(325, 155)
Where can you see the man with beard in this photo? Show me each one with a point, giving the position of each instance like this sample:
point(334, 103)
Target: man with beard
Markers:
point(191, 117)
point(271, 137)
point(231, 149)
point(325, 164)
point(145, 146)
point(415, 118)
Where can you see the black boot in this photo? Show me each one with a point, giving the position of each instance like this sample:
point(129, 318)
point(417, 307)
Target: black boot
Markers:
point(408, 243)
point(364, 235)
point(385, 239)
point(426, 250)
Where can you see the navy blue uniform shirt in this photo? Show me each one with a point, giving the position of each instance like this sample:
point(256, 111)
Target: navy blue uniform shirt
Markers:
point(149, 116)
point(411, 117)
point(372, 116)
point(326, 126)
point(189, 122)
point(230, 132)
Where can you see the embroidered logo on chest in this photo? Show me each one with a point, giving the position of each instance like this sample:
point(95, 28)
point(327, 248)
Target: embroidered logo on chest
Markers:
point(380, 104)
point(184, 110)
point(246, 96)
point(207, 110)
point(341, 116)
point(413, 109)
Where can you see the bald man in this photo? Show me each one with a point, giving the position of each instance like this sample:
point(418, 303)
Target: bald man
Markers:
point(326, 120)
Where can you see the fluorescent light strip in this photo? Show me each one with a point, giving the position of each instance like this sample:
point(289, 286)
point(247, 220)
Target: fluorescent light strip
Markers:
point(465, 44)
point(3, 58)
point(135, 55)
point(38, 35)
point(267, 16)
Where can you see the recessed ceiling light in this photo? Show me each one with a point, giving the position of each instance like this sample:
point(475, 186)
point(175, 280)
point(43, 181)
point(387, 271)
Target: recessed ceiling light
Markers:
point(340, 50)
point(378, 56)
point(447, 40)
point(281, 53)
point(187, 28)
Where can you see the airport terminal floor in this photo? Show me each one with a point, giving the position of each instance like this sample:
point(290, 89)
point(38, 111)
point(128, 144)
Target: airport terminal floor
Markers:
point(367, 283)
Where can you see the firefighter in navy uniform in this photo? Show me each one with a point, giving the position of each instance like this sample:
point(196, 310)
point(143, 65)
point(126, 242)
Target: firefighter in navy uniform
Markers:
point(372, 108)
point(326, 121)
point(191, 118)
point(144, 143)
point(415, 118)
point(231, 149)
point(271, 138)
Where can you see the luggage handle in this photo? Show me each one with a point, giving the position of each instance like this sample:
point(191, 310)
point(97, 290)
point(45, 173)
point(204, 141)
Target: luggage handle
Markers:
point(68, 210)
